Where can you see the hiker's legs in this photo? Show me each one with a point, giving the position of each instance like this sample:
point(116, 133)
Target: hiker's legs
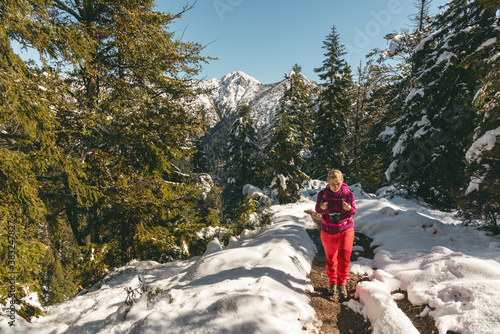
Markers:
point(330, 244)
point(345, 242)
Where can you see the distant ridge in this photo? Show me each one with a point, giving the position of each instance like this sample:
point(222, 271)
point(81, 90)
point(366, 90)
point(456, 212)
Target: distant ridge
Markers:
point(225, 94)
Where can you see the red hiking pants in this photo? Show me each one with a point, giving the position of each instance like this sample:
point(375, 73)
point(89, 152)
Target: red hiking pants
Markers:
point(338, 249)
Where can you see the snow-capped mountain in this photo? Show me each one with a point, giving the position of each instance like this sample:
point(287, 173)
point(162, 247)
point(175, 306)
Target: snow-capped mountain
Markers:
point(221, 97)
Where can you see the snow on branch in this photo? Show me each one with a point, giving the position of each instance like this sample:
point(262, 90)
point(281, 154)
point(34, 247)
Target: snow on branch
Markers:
point(248, 189)
point(485, 143)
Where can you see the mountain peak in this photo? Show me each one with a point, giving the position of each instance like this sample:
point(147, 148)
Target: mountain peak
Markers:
point(224, 96)
point(239, 77)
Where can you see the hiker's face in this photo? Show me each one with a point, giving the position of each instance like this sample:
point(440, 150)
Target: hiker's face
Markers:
point(334, 184)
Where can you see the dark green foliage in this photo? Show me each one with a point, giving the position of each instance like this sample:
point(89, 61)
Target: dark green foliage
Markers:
point(246, 214)
point(200, 161)
point(89, 142)
point(250, 215)
point(328, 149)
point(383, 85)
point(483, 160)
point(367, 147)
point(57, 283)
point(300, 101)
point(215, 147)
point(240, 155)
point(288, 140)
point(439, 111)
point(210, 206)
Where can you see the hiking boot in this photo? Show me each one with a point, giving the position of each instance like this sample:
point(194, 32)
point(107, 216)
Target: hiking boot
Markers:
point(332, 290)
point(343, 293)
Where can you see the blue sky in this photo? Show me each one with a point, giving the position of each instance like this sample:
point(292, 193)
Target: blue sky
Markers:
point(265, 38)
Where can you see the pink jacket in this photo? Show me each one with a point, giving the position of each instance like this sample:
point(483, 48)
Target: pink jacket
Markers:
point(335, 206)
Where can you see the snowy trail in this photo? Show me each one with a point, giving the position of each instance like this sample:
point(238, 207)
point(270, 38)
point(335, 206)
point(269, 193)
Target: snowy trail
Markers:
point(258, 283)
point(439, 262)
point(335, 317)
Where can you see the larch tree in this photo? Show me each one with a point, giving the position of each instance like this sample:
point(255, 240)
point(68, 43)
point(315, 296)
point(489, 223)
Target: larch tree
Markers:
point(90, 138)
point(28, 146)
point(124, 118)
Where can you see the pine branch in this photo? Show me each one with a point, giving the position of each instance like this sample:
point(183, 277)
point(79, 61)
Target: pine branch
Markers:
point(60, 5)
point(48, 178)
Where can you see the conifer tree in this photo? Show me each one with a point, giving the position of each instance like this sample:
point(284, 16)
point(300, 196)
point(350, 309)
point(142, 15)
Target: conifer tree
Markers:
point(28, 146)
point(25, 122)
point(286, 141)
point(331, 129)
point(301, 97)
point(215, 147)
point(199, 160)
point(56, 283)
point(246, 215)
point(402, 44)
point(370, 99)
point(422, 19)
point(482, 200)
point(391, 83)
point(89, 141)
point(435, 131)
point(483, 154)
point(241, 157)
point(124, 119)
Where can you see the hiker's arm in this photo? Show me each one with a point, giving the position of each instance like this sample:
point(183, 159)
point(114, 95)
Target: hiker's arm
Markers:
point(319, 201)
point(352, 203)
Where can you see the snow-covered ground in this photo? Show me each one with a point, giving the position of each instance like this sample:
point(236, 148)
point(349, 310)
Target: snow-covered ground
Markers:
point(258, 283)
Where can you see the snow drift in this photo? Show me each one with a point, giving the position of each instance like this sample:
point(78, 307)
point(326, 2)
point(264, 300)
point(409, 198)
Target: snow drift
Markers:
point(258, 283)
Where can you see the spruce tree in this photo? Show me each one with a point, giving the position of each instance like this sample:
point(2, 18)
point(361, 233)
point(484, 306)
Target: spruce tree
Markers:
point(301, 98)
point(369, 153)
point(240, 155)
point(482, 200)
point(287, 142)
point(56, 283)
point(402, 44)
point(389, 81)
point(199, 160)
point(331, 129)
point(436, 128)
point(483, 153)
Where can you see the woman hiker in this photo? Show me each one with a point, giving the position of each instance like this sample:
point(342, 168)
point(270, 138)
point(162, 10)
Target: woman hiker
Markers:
point(336, 205)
